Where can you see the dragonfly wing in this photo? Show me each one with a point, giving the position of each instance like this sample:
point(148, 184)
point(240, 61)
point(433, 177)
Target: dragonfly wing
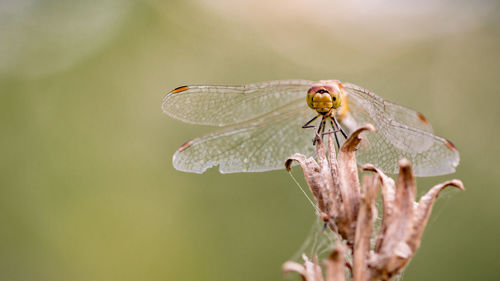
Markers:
point(402, 114)
point(258, 145)
point(227, 105)
point(402, 133)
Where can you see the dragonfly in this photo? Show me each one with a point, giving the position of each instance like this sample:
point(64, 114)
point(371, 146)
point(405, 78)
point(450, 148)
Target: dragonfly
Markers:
point(263, 124)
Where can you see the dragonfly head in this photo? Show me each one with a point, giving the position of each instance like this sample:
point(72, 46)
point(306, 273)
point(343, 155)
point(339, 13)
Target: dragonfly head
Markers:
point(324, 97)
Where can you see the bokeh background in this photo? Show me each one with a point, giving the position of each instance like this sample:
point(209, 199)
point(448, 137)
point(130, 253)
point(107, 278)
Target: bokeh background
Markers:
point(87, 188)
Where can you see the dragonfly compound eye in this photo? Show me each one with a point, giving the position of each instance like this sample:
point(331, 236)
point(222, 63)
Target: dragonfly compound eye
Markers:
point(323, 100)
point(336, 100)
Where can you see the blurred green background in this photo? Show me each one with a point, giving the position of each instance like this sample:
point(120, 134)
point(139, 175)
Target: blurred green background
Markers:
point(87, 188)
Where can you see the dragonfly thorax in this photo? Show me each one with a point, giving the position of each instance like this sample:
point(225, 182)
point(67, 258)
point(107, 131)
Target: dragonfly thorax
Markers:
point(324, 98)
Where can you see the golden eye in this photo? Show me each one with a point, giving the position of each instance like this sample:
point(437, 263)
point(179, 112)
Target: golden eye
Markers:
point(336, 100)
point(309, 98)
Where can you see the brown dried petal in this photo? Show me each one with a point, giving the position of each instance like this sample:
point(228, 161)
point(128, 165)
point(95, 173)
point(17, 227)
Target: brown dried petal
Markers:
point(312, 174)
point(331, 189)
point(300, 158)
point(364, 227)
point(424, 209)
point(348, 173)
point(393, 253)
point(291, 266)
point(320, 150)
point(388, 197)
point(314, 269)
point(335, 265)
point(310, 271)
point(335, 193)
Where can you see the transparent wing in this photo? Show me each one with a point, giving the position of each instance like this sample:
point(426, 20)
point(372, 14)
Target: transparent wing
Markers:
point(403, 115)
point(401, 132)
point(227, 105)
point(258, 145)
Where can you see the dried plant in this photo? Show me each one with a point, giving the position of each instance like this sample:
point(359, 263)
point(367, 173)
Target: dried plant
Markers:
point(349, 210)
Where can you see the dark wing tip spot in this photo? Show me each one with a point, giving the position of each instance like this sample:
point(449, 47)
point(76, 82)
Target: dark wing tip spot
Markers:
point(179, 89)
point(422, 118)
point(185, 146)
point(450, 145)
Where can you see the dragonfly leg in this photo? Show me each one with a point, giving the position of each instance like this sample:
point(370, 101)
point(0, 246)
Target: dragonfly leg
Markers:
point(335, 130)
point(323, 124)
point(306, 125)
point(321, 130)
point(339, 127)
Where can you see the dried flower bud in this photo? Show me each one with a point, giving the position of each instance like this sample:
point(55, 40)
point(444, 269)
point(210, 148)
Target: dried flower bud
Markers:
point(349, 209)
